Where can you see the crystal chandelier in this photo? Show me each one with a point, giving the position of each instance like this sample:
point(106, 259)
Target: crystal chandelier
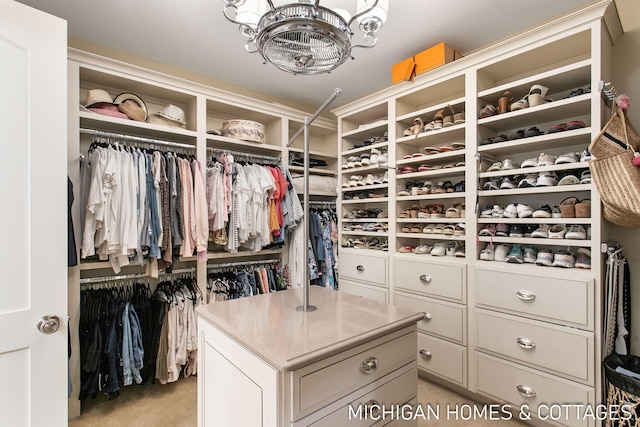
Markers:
point(304, 37)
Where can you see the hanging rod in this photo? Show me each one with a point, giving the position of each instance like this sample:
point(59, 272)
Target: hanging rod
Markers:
point(608, 92)
point(241, 263)
point(139, 139)
point(133, 276)
point(248, 156)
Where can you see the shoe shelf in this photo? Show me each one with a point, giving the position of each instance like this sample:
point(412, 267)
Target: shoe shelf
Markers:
point(364, 187)
point(436, 196)
point(573, 48)
point(367, 200)
point(434, 173)
point(433, 220)
point(432, 158)
point(567, 139)
point(365, 220)
point(366, 124)
point(563, 79)
point(434, 137)
point(531, 220)
point(425, 101)
point(427, 113)
point(430, 236)
point(524, 171)
point(536, 190)
point(359, 150)
point(556, 111)
point(531, 241)
point(364, 233)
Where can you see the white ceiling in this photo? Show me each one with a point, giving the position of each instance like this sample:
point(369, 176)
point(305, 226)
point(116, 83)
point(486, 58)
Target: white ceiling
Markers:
point(193, 35)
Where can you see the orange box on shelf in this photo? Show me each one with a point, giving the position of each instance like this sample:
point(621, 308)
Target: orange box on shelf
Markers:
point(434, 57)
point(403, 70)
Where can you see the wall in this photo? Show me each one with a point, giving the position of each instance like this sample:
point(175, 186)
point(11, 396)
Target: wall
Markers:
point(626, 78)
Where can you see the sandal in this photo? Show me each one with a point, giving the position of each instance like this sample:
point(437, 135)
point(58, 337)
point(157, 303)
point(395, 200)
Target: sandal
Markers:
point(488, 111)
point(504, 102)
point(557, 128)
point(449, 230)
point(520, 104)
point(517, 135)
point(536, 95)
point(406, 228)
point(406, 249)
point(416, 228)
point(428, 229)
point(458, 118)
point(453, 212)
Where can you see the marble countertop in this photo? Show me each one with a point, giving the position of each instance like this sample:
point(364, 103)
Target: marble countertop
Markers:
point(269, 326)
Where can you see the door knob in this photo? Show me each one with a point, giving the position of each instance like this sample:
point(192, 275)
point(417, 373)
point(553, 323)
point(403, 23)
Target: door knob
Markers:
point(48, 324)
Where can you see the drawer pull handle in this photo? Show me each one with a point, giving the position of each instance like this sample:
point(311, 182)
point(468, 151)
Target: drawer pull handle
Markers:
point(427, 316)
point(369, 365)
point(525, 295)
point(425, 278)
point(526, 391)
point(373, 407)
point(526, 343)
point(425, 354)
point(360, 268)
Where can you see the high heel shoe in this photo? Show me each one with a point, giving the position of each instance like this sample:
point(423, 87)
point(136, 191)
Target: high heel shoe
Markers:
point(536, 95)
point(504, 101)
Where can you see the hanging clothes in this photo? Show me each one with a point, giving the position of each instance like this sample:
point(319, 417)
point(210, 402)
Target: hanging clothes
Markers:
point(129, 334)
point(146, 207)
point(245, 280)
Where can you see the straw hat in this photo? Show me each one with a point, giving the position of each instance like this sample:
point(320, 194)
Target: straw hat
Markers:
point(132, 105)
point(95, 96)
point(173, 113)
point(156, 119)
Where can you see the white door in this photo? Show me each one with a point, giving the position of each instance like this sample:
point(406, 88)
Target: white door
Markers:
point(33, 216)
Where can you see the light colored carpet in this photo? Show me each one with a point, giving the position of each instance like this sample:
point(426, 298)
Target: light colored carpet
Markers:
point(175, 405)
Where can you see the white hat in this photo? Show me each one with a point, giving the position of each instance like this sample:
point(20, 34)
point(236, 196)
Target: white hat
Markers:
point(174, 113)
point(95, 96)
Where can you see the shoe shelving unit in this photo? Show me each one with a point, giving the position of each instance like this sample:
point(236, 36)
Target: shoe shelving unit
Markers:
point(206, 108)
point(516, 333)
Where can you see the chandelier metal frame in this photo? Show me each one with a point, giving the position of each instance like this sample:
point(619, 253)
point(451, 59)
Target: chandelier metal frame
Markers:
point(304, 38)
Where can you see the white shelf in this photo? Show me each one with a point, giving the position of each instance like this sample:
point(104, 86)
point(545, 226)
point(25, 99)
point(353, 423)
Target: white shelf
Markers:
point(535, 241)
point(537, 190)
point(313, 171)
point(524, 171)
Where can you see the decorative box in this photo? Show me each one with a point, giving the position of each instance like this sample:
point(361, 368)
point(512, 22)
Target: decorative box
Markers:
point(246, 130)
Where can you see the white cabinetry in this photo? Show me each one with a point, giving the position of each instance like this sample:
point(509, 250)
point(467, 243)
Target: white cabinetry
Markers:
point(205, 108)
point(516, 332)
point(360, 359)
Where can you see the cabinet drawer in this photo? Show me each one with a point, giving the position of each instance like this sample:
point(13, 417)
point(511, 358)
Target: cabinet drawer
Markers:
point(366, 269)
point(509, 382)
point(375, 293)
point(542, 299)
point(442, 318)
point(438, 280)
point(363, 413)
point(443, 358)
point(567, 351)
point(319, 384)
